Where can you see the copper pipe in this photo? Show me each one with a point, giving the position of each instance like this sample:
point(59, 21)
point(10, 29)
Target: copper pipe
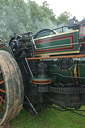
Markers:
point(55, 57)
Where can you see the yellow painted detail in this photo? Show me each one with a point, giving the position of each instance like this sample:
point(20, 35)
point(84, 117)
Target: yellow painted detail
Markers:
point(56, 53)
point(75, 72)
point(56, 35)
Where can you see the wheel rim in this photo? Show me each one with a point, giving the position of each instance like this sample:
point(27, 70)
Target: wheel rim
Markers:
point(2, 95)
point(11, 88)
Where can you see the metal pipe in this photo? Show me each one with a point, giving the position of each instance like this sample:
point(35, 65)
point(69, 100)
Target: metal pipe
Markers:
point(29, 67)
point(55, 57)
point(31, 104)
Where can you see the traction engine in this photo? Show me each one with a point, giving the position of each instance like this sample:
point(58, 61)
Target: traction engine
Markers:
point(42, 69)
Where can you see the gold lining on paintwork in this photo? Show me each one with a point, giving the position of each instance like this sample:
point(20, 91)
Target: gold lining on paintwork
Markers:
point(56, 53)
point(53, 46)
point(75, 72)
point(56, 34)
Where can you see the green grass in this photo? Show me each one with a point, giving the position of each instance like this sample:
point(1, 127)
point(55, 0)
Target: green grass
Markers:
point(49, 118)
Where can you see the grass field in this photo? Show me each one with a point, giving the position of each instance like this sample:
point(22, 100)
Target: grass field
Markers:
point(49, 118)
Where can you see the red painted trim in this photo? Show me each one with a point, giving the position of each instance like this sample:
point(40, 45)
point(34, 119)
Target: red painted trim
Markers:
point(1, 82)
point(2, 91)
point(54, 39)
point(72, 47)
point(73, 79)
point(5, 47)
point(41, 81)
point(2, 99)
point(1, 110)
point(78, 74)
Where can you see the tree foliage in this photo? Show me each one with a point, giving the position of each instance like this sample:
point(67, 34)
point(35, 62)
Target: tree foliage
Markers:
point(16, 16)
point(63, 18)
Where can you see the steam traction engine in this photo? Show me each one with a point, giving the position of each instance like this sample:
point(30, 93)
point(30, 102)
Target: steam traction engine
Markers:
point(44, 69)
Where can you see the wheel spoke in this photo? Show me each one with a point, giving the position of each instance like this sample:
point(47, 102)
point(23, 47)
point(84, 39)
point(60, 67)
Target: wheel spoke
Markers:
point(1, 82)
point(1, 110)
point(1, 100)
point(0, 72)
point(2, 91)
point(2, 94)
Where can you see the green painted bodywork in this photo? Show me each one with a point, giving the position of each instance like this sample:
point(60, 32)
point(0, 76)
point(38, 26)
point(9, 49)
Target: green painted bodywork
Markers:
point(65, 76)
point(64, 43)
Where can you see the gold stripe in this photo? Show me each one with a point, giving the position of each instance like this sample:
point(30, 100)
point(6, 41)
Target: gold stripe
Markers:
point(56, 53)
point(75, 72)
point(56, 34)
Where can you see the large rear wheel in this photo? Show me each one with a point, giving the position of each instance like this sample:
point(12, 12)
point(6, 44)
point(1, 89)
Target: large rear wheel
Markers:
point(11, 88)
